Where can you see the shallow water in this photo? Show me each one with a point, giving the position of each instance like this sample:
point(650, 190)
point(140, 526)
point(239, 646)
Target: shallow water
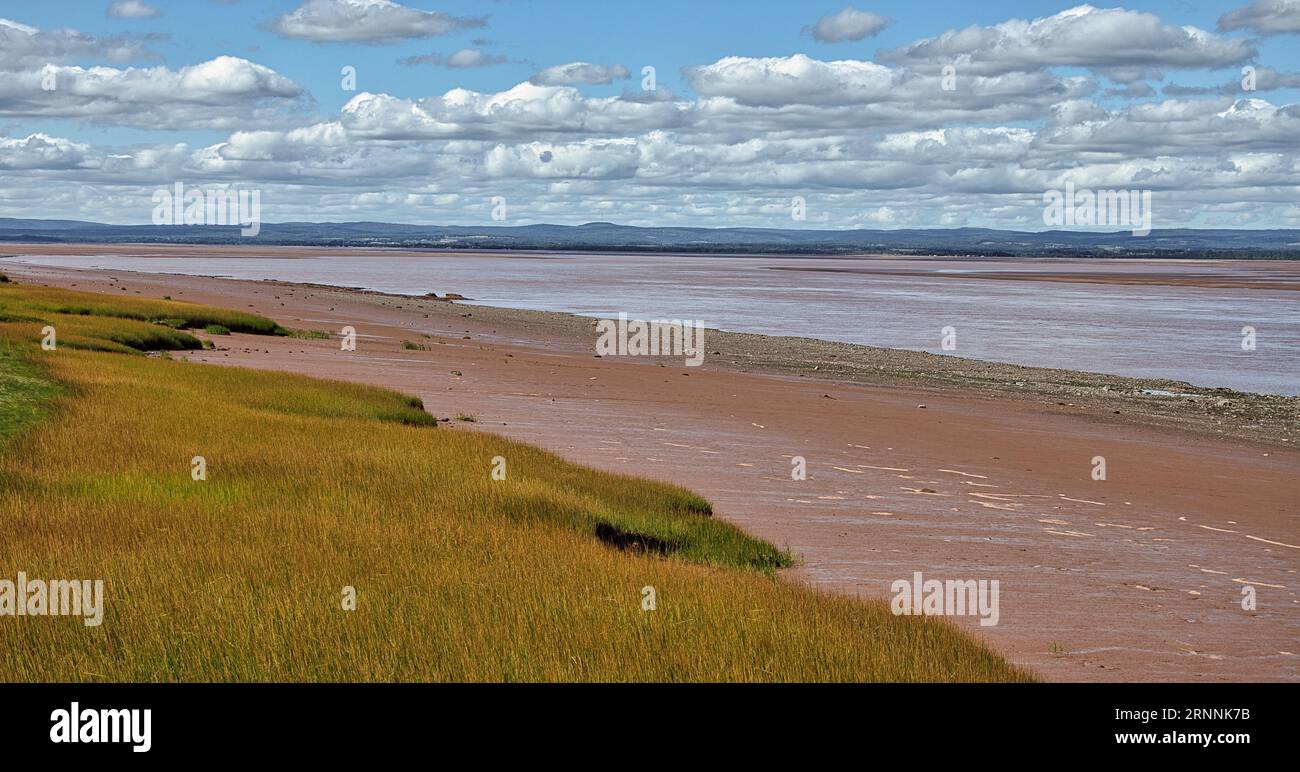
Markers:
point(1185, 333)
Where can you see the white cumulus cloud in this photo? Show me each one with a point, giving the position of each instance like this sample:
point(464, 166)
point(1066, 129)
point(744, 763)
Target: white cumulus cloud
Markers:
point(580, 72)
point(132, 9)
point(23, 46)
point(365, 21)
point(1267, 17)
point(224, 92)
point(848, 24)
point(463, 59)
point(1125, 45)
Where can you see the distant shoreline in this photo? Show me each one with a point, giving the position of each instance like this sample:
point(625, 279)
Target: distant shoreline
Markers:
point(611, 238)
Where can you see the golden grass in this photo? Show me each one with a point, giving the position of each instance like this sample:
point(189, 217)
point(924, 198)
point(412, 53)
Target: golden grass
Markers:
point(313, 486)
point(73, 303)
point(85, 320)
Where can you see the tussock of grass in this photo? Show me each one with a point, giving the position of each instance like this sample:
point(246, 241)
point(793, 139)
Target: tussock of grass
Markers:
point(313, 486)
point(306, 334)
point(73, 303)
point(409, 346)
point(333, 400)
point(25, 391)
point(99, 333)
point(7, 315)
point(84, 320)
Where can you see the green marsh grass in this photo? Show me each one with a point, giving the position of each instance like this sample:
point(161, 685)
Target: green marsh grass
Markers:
point(307, 334)
point(50, 300)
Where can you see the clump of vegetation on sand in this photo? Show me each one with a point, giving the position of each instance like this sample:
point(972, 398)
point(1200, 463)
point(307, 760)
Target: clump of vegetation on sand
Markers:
point(307, 334)
point(86, 320)
point(63, 301)
point(313, 487)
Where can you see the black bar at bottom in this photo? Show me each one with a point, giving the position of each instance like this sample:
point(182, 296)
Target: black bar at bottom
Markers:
point(253, 721)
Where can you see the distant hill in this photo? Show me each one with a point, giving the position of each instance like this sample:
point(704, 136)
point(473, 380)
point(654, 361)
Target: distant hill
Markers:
point(602, 236)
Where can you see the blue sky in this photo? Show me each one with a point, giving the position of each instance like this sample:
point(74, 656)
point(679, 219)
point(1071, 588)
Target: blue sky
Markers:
point(669, 34)
point(690, 166)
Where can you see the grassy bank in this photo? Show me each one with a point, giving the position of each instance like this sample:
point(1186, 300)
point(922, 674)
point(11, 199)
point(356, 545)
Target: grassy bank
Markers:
point(314, 486)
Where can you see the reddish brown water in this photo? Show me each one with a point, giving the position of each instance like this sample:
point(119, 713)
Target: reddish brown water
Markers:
point(1169, 324)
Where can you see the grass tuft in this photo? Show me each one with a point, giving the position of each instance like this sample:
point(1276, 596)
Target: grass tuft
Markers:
point(306, 334)
point(26, 391)
point(84, 320)
point(74, 303)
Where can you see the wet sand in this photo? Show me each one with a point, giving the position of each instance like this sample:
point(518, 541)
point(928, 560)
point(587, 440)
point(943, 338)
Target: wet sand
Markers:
point(1135, 578)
